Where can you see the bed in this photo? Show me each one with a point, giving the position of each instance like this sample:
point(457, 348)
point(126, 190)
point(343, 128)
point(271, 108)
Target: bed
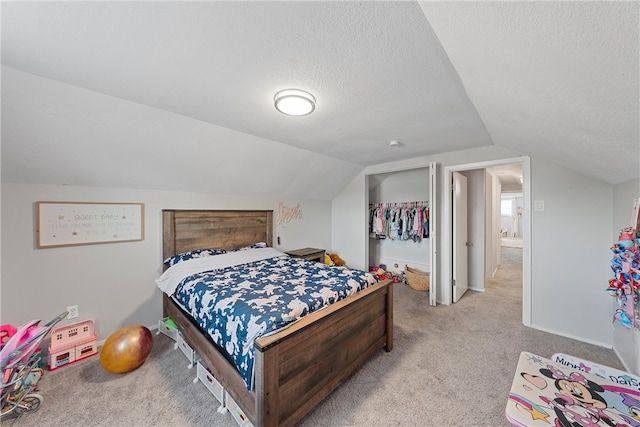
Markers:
point(298, 366)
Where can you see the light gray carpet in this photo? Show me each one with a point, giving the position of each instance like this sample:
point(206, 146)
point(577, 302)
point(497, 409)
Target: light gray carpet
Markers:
point(450, 366)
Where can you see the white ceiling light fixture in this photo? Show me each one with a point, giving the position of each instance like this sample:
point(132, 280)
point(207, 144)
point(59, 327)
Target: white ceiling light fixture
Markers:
point(294, 102)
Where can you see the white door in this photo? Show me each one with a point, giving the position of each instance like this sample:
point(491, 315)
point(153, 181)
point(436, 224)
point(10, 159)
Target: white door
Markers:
point(460, 242)
point(432, 234)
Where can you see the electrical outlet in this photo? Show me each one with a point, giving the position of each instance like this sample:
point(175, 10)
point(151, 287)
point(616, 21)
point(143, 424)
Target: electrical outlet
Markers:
point(73, 312)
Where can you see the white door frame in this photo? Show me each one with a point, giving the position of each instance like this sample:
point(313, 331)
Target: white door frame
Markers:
point(447, 234)
point(433, 226)
point(460, 230)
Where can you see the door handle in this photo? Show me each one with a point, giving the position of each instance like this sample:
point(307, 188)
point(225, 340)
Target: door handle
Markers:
point(469, 244)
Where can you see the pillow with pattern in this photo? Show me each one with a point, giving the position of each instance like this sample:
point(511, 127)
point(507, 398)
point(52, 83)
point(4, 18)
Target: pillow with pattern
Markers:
point(252, 246)
point(198, 253)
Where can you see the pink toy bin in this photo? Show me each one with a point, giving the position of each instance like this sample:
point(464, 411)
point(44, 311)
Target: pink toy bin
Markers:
point(6, 332)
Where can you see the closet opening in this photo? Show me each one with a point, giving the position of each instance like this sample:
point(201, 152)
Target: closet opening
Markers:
point(402, 226)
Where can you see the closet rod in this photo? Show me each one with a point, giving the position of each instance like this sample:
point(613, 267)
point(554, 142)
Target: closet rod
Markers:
point(400, 204)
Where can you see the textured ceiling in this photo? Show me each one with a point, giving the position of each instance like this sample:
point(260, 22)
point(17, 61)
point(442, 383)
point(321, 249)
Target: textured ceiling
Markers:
point(554, 80)
point(557, 80)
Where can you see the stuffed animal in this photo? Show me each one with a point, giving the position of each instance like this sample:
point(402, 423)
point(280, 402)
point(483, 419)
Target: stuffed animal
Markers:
point(337, 260)
point(327, 259)
point(382, 274)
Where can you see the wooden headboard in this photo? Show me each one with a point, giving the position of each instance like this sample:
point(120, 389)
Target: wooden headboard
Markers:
point(186, 230)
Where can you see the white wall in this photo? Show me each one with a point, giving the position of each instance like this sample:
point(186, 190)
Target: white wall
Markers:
point(624, 195)
point(570, 241)
point(349, 237)
point(113, 284)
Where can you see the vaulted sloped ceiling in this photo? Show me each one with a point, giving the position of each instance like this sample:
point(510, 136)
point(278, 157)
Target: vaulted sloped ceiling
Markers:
point(557, 80)
point(179, 95)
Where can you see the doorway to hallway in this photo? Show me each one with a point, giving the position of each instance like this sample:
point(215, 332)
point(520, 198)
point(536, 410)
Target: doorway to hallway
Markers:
point(485, 243)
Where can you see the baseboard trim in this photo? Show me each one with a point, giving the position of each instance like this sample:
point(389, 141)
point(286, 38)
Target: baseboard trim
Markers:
point(562, 334)
point(626, 367)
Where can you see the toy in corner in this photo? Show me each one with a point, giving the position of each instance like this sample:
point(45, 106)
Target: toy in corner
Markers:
point(337, 260)
point(333, 259)
point(327, 259)
point(126, 349)
point(381, 273)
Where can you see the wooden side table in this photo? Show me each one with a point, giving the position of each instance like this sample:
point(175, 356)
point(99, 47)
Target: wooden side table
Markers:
point(311, 254)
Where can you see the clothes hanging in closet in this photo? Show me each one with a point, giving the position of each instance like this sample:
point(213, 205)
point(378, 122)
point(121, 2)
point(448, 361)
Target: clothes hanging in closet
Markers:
point(399, 221)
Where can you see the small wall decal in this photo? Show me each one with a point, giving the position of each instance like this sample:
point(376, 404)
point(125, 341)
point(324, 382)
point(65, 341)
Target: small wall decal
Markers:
point(287, 214)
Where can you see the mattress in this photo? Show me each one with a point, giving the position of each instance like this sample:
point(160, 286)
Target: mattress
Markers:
point(238, 297)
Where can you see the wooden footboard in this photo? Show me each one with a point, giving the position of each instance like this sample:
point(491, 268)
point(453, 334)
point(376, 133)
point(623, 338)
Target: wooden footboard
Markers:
point(299, 366)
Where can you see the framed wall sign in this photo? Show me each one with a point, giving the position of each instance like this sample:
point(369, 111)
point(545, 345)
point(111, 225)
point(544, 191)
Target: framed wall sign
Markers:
point(77, 223)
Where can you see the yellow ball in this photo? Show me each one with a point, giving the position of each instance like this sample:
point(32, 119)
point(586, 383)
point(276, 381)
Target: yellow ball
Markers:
point(126, 349)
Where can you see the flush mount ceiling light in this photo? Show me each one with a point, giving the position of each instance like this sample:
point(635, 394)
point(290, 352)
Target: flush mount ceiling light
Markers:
point(294, 102)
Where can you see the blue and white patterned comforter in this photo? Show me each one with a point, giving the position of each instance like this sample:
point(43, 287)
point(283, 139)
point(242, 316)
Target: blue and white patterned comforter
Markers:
point(239, 303)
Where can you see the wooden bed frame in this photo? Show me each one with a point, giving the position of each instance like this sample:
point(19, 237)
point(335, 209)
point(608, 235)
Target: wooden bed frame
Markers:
point(295, 368)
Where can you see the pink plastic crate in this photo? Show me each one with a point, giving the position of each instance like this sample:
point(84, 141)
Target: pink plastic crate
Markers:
point(71, 343)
